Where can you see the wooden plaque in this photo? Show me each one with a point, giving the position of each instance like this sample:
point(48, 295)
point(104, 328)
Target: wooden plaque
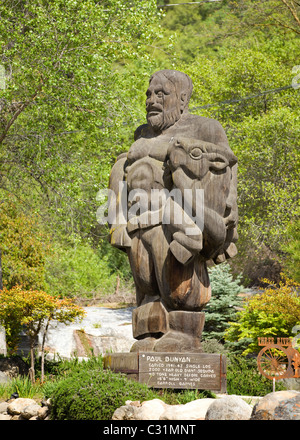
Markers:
point(202, 371)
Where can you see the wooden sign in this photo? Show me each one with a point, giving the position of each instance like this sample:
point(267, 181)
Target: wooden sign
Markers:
point(183, 370)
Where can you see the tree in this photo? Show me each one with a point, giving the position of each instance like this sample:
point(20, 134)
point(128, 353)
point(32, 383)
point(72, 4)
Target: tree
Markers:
point(272, 312)
point(66, 97)
point(196, 29)
point(31, 309)
point(222, 307)
point(24, 244)
point(291, 247)
point(263, 131)
point(279, 14)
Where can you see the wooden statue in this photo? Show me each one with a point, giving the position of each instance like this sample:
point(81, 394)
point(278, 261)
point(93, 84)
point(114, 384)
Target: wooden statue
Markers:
point(168, 238)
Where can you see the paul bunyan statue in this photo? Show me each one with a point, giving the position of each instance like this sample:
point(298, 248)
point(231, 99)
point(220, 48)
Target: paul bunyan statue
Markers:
point(176, 211)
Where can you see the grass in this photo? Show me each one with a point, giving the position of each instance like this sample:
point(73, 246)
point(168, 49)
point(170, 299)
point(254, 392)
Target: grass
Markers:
point(24, 387)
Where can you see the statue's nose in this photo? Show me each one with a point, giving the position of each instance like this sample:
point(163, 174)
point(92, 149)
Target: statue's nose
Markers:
point(150, 99)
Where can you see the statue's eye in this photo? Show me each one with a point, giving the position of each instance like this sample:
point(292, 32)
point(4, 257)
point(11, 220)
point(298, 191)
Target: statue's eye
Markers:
point(196, 153)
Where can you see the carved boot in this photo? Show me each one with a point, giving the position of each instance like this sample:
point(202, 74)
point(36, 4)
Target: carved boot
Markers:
point(184, 335)
point(149, 322)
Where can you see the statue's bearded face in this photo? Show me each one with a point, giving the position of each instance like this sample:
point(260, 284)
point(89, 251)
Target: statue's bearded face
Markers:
point(162, 103)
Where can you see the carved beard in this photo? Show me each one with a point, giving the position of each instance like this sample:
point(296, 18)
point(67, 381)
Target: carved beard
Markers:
point(164, 119)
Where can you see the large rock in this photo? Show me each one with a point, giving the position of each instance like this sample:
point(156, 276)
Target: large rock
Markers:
point(148, 410)
point(229, 408)
point(288, 409)
point(281, 405)
point(25, 407)
point(156, 409)
point(101, 330)
point(31, 411)
point(5, 417)
point(3, 407)
point(195, 410)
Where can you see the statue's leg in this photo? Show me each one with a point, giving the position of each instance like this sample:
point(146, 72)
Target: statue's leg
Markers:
point(181, 286)
point(184, 335)
point(184, 291)
point(150, 318)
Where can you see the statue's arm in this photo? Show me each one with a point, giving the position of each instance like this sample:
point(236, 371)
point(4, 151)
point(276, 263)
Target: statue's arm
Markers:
point(118, 232)
point(231, 219)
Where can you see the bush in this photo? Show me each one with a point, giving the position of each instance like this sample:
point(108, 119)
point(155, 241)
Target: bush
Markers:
point(94, 394)
point(272, 313)
point(244, 379)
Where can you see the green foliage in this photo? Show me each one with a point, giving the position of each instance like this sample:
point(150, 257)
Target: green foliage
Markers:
point(244, 379)
point(269, 173)
point(181, 397)
point(273, 312)
point(278, 15)
point(72, 70)
point(23, 386)
point(79, 272)
point(23, 244)
point(213, 346)
point(235, 52)
point(195, 29)
point(221, 307)
point(94, 394)
point(33, 310)
point(292, 251)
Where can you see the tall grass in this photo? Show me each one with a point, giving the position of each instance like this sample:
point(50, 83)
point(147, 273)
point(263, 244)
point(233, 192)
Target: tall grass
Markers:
point(23, 386)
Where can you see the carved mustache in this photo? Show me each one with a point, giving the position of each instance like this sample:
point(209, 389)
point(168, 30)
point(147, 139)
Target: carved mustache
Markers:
point(154, 108)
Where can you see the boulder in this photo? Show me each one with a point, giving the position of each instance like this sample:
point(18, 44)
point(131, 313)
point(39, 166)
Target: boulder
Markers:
point(3, 407)
point(281, 405)
point(288, 409)
point(5, 417)
point(30, 411)
point(195, 410)
point(18, 406)
point(229, 408)
point(43, 412)
point(156, 409)
point(126, 412)
point(148, 410)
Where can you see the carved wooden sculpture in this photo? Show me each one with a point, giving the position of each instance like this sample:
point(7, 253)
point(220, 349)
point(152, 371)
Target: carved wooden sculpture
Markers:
point(174, 153)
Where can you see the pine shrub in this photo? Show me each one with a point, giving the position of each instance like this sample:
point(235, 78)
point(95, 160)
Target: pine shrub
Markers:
point(222, 307)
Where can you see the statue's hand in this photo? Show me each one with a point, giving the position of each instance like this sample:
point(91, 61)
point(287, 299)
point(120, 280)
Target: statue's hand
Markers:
point(230, 221)
point(119, 237)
